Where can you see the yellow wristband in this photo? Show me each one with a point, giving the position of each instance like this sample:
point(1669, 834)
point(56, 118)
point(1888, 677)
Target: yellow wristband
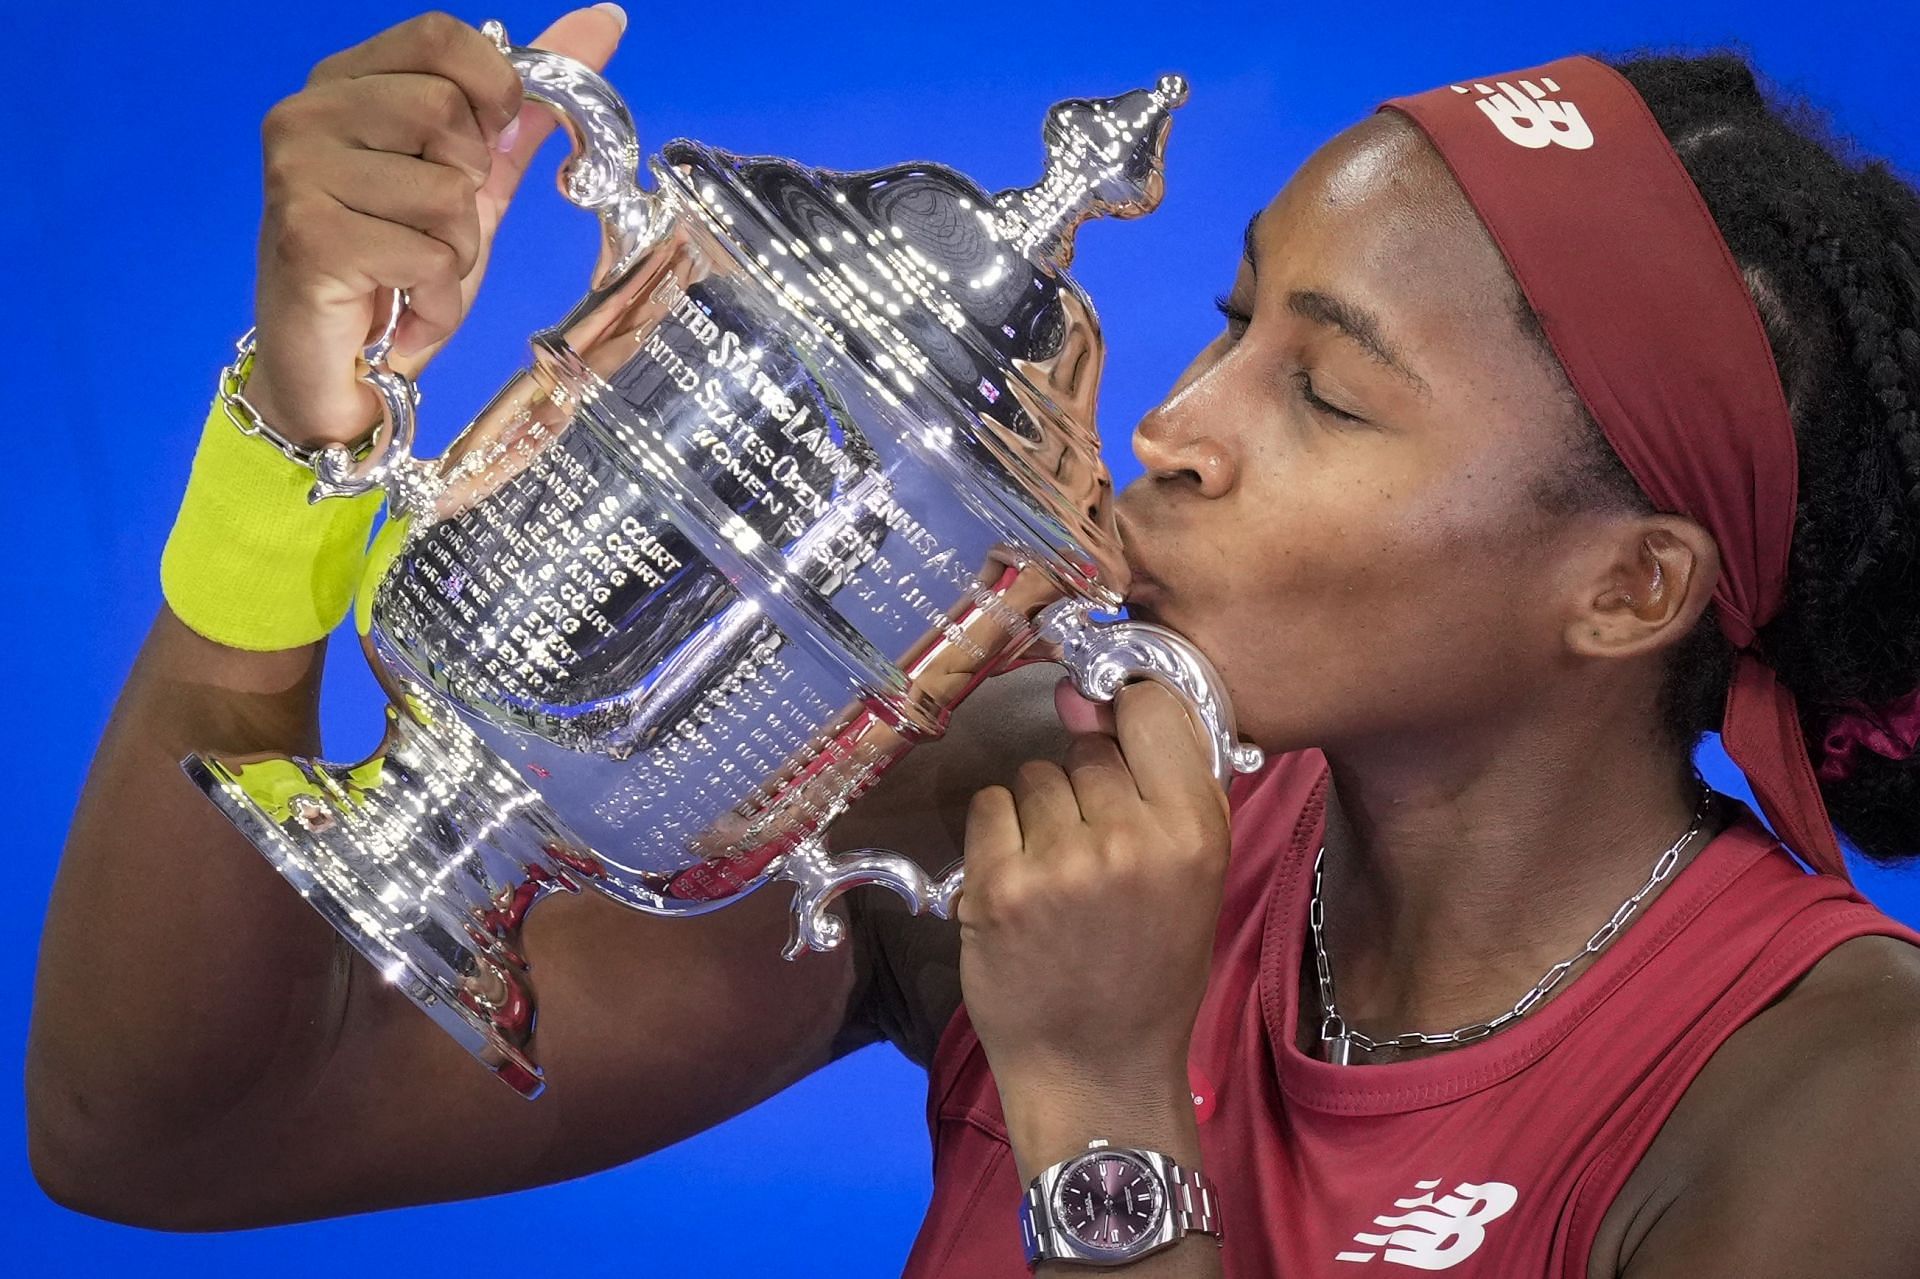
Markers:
point(250, 562)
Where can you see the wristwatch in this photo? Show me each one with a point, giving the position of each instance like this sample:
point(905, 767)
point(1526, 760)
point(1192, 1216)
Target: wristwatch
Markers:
point(1110, 1205)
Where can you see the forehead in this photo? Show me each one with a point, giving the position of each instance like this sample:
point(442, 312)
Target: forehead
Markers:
point(1374, 212)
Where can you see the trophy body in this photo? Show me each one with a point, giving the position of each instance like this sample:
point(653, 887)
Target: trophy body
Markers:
point(812, 458)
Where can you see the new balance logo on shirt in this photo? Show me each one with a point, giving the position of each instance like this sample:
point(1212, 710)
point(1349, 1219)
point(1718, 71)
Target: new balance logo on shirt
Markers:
point(1436, 1234)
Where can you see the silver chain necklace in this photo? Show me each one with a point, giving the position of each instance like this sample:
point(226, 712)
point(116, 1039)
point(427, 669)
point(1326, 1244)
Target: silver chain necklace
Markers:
point(1338, 1040)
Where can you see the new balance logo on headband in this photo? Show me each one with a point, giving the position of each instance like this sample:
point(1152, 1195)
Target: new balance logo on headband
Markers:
point(1528, 117)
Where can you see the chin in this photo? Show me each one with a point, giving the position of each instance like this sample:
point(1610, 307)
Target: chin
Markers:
point(1144, 610)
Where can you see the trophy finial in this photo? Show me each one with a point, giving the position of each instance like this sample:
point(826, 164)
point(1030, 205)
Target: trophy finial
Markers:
point(1104, 157)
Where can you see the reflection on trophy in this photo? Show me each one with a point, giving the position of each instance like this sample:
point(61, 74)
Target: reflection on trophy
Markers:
point(813, 457)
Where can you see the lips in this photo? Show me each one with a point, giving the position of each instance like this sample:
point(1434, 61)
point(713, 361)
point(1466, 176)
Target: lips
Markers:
point(1144, 589)
point(1141, 611)
point(1144, 586)
point(1144, 594)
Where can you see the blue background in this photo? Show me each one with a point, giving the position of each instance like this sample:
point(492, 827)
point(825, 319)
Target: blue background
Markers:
point(127, 224)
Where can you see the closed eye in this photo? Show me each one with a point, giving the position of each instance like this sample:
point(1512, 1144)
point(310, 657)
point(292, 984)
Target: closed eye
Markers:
point(1237, 320)
point(1305, 383)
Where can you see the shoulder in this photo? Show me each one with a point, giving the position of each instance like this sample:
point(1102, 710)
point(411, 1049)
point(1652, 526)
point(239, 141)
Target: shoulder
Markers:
point(1797, 1148)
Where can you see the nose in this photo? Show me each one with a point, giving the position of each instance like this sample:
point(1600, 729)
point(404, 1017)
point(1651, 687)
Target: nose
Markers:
point(1180, 441)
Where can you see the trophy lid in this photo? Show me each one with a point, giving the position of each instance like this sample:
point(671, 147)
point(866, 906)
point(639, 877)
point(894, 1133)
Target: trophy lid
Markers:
point(939, 289)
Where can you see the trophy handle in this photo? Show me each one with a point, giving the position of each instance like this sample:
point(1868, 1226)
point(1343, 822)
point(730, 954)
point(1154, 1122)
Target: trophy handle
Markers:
point(340, 472)
point(601, 175)
point(1102, 657)
point(819, 876)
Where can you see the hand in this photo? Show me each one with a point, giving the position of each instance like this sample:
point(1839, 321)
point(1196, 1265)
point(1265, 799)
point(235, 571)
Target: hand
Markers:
point(391, 169)
point(1087, 919)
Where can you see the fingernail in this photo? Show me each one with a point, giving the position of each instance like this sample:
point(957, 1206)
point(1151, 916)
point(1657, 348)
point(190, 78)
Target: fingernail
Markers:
point(619, 14)
point(505, 141)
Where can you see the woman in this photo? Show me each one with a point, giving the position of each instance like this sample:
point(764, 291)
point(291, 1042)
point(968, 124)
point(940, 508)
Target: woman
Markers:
point(1403, 502)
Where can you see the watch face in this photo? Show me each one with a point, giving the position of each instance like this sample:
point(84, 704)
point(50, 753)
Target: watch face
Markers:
point(1108, 1202)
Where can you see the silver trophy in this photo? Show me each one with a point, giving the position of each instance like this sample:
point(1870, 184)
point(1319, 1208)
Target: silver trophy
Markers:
point(813, 457)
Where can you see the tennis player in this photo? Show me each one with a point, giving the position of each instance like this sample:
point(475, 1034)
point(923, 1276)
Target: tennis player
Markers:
point(1558, 416)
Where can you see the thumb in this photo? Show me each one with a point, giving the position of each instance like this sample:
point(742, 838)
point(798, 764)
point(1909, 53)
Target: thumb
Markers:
point(586, 35)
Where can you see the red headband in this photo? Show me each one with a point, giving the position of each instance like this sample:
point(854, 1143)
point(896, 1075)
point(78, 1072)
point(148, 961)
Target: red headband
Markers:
point(1650, 318)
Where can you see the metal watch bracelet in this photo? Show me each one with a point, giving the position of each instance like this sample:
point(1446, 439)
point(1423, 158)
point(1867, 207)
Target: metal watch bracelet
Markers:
point(1191, 1207)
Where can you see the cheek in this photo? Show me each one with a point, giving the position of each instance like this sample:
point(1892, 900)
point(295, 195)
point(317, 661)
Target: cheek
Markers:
point(1382, 522)
point(1376, 597)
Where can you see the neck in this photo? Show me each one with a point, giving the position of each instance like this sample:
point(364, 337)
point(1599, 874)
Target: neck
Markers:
point(1451, 888)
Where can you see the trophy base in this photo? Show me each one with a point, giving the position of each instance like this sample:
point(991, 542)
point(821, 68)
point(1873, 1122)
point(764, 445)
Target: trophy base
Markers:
point(426, 857)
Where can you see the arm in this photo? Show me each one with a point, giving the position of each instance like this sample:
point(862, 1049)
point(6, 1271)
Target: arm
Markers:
point(1086, 933)
point(1812, 1166)
point(213, 1055)
point(206, 1053)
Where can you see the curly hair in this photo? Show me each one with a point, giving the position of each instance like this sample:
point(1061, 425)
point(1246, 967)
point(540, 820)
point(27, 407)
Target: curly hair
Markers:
point(1828, 244)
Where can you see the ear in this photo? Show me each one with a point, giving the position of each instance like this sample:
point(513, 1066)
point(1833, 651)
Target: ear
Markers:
point(1654, 579)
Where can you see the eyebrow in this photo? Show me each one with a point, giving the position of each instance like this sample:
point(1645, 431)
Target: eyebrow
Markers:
point(1351, 319)
point(1357, 323)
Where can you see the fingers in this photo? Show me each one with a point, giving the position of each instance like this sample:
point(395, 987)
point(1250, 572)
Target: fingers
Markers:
point(383, 173)
point(1009, 831)
point(413, 114)
point(1159, 738)
point(403, 147)
point(411, 231)
point(1103, 785)
point(1122, 811)
point(992, 843)
point(588, 35)
point(1169, 761)
point(1049, 812)
point(416, 115)
point(993, 826)
point(312, 296)
point(440, 45)
point(1154, 780)
point(429, 198)
point(1156, 758)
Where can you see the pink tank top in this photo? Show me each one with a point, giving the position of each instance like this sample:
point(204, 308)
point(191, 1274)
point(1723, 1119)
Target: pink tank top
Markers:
point(1501, 1156)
